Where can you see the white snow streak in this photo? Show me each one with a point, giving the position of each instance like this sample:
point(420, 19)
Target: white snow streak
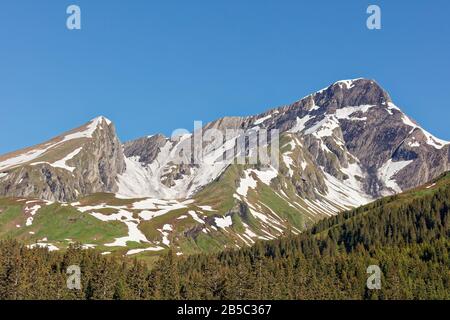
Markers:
point(387, 172)
point(261, 120)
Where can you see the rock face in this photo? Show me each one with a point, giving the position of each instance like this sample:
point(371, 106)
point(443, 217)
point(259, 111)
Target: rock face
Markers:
point(146, 149)
point(83, 161)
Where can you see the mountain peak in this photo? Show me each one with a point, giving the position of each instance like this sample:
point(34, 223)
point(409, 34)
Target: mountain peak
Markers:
point(81, 161)
point(100, 119)
point(349, 83)
point(354, 83)
point(354, 92)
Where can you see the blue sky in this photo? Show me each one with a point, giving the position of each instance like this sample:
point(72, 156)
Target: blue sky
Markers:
point(153, 66)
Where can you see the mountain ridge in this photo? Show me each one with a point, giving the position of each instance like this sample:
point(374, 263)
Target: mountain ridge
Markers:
point(306, 109)
point(339, 148)
point(332, 103)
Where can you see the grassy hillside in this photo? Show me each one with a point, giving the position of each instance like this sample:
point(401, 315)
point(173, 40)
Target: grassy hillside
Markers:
point(406, 236)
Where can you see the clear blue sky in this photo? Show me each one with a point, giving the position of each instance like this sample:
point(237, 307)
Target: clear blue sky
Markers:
point(153, 66)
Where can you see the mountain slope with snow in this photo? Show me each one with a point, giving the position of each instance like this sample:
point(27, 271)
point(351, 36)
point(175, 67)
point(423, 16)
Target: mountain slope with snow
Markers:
point(80, 162)
point(339, 148)
point(352, 128)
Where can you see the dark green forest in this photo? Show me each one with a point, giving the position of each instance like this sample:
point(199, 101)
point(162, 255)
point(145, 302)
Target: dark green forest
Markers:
point(407, 236)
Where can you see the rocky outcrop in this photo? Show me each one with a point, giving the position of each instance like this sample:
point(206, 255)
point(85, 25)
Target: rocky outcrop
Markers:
point(146, 148)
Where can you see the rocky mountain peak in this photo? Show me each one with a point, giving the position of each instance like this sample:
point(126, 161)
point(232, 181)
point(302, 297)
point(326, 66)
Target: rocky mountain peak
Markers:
point(79, 162)
point(101, 119)
point(345, 93)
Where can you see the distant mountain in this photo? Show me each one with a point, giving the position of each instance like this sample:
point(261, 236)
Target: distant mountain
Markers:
point(341, 147)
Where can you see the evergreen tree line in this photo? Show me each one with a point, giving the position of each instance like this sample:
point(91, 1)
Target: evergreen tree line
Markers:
point(408, 238)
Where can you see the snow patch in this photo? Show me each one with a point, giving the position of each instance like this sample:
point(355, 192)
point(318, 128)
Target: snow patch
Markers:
point(346, 112)
point(23, 158)
point(31, 211)
point(62, 163)
point(126, 217)
point(414, 144)
point(89, 131)
point(303, 164)
point(223, 222)
point(49, 246)
point(289, 163)
point(324, 128)
point(267, 175)
point(163, 209)
point(431, 140)
point(390, 107)
point(194, 216)
point(248, 182)
point(347, 84)
point(387, 172)
point(314, 106)
point(261, 120)
point(135, 251)
point(206, 208)
point(88, 246)
point(140, 180)
point(301, 124)
point(345, 194)
point(165, 233)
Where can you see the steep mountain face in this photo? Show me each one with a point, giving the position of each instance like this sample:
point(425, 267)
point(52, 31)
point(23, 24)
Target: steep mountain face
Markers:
point(339, 148)
point(355, 125)
point(82, 161)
